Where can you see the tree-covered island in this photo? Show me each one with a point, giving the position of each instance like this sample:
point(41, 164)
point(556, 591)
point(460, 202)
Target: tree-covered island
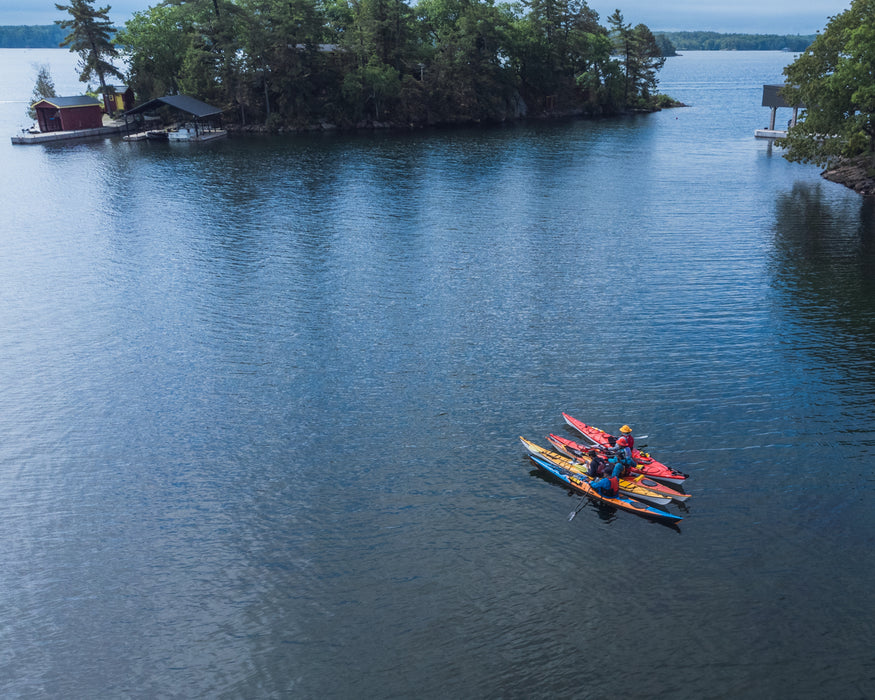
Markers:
point(294, 64)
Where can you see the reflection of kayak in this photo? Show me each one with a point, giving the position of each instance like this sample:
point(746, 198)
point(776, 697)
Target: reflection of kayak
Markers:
point(576, 451)
point(627, 487)
point(581, 483)
point(648, 465)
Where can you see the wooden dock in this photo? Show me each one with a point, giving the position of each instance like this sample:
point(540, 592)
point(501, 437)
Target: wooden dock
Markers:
point(28, 137)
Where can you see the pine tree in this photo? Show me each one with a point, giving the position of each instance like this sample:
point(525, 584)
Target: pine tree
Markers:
point(44, 87)
point(91, 37)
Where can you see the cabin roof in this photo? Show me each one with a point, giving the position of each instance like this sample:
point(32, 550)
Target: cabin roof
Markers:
point(65, 102)
point(184, 103)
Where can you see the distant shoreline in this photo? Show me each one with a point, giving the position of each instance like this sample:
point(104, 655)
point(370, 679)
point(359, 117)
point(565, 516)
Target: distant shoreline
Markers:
point(49, 36)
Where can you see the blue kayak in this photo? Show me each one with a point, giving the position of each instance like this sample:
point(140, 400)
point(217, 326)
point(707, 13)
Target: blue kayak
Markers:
point(622, 502)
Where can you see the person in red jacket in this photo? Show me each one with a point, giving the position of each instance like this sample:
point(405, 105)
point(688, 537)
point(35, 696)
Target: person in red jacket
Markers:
point(626, 432)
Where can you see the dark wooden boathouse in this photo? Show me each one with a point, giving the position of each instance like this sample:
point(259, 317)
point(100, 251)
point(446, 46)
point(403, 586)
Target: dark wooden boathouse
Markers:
point(68, 113)
point(200, 113)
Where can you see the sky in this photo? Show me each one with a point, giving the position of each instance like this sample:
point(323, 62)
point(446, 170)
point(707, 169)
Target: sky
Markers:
point(727, 16)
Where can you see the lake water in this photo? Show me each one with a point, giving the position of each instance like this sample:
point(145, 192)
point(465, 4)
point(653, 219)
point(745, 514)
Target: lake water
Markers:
point(261, 398)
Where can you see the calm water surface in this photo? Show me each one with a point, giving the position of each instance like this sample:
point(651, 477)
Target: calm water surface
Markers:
point(261, 398)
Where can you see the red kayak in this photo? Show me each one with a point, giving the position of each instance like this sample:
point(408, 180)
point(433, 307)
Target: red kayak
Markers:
point(578, 453)
point(646, 464)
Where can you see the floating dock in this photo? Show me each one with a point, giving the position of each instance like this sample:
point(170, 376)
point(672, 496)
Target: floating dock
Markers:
point(770, 134)
point(28, 137)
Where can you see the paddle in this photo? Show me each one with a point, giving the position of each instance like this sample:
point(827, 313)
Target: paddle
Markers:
point(580, 506)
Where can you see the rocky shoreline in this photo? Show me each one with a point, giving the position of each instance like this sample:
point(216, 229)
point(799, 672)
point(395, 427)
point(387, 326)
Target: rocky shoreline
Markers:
point(857, 174)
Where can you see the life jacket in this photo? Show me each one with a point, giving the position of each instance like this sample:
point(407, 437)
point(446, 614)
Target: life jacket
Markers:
point(615, 486)
point(627, 441)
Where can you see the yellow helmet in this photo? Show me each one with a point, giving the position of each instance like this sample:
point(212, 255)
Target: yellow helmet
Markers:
point(625, 429)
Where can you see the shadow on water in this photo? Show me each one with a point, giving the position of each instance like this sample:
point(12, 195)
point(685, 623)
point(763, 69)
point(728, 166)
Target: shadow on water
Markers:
point(823, 270)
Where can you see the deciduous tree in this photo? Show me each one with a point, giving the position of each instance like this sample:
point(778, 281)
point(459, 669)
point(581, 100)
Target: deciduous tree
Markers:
point(835, 81)
point(155, 41)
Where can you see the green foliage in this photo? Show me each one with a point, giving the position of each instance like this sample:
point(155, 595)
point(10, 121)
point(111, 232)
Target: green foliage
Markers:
point(641, 59)
point(835, 80)
point(156, 43)
point(666, 102)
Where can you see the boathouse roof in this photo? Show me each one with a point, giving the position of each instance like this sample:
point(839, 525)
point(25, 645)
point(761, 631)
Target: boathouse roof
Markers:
point(184, 103)
point(772, 97)
point(65, 102)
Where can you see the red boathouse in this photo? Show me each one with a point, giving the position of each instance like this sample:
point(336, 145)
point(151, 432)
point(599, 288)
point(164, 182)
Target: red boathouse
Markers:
point(68, 113)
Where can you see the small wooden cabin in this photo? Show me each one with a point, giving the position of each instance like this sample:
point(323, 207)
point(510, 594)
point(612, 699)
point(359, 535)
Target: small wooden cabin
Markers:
point(118, 98)
point(68, 113)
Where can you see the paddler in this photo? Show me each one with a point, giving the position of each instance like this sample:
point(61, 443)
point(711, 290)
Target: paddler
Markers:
point(626, 432)
point(618, 464)
point(609, 486)
point(623, 451)
point(596, 466)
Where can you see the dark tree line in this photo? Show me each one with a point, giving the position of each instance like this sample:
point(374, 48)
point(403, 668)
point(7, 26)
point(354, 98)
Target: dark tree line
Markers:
point(715, 41)
point(31, 36)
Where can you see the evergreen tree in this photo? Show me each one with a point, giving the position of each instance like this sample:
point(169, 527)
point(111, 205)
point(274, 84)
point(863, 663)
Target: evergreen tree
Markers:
point(91, 37)
point(621, 34)
point(210, 67)
point(44, 87)
point(644, 64)
point(286, 64)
